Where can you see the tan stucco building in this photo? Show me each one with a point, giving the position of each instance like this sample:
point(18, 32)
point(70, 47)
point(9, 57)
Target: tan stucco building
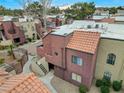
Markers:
point(116, 70)
point(28, 28)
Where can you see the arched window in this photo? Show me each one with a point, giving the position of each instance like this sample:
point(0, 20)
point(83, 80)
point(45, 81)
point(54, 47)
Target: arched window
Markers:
point(111, 58)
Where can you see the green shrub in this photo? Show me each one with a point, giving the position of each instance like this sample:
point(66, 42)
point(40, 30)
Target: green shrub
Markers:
point(83, 89)
point(117, 85)
point(105, 89)
point(106, 82)
point(1, 60)
point(29, 39)
point(2, 47)
point(99, 83)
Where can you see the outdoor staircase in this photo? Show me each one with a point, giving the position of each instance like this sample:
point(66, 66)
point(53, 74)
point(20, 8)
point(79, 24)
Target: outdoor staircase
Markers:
point(42, 68)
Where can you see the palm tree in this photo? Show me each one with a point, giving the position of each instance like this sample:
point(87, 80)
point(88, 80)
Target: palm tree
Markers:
point(11, 53)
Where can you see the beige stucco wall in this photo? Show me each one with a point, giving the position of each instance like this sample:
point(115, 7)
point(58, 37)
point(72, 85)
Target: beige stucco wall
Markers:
point(28, 27)
point(117, 70)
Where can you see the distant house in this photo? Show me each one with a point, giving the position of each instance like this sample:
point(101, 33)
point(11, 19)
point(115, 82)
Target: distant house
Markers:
point(120, 13)
point(84, 50)
point(9, 31)
point(101, 11)
point(103, 18)
point(28, 28)
point(119, 19)
point(52, 22)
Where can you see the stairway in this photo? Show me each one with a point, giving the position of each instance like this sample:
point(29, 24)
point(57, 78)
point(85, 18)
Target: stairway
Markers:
point(42, 68)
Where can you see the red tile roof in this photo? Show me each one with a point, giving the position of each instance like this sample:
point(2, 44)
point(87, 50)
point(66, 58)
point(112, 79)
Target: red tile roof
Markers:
point(3, 76)
point(84, 41)
point(23, 84)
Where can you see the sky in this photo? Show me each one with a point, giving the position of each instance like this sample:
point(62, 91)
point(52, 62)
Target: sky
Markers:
point(14, 4)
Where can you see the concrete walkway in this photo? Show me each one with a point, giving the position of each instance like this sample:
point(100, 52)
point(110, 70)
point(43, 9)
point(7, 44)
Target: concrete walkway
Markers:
point(26, 68)
point(63, 86)
point(45, 79)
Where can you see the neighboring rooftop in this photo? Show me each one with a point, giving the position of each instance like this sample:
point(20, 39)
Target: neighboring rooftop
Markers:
point(22, 84)
point(84, 41)
point(6, 18)
point(119, 18)
point(113, 31)
point(98, 17)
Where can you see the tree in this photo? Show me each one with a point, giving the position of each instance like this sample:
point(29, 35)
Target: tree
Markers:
point(35, 8)
point(120, 8)
point(2, 9)
point(11, 53)
point(46, 5)
point(54, 10)
point(112, 10)
point(10, 12)
point(80, 11)
point(18, 12)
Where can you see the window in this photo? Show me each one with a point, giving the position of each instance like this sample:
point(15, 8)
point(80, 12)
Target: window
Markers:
point(17, 40)
point(77, 60)
point(89, 26)
point(97, 26)
point(111, 58)
point(56, 53)
point(76, 77)
point(107, 75)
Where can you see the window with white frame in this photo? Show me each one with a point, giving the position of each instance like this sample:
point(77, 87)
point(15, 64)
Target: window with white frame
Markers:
point(107, 75)
point(76, 77)
point(77, 60)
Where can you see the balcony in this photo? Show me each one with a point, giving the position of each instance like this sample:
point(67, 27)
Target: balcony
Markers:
point(40, 51)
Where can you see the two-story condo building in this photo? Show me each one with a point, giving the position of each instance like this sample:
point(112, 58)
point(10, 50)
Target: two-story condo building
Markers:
point(85, 50)
point(9, 31)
